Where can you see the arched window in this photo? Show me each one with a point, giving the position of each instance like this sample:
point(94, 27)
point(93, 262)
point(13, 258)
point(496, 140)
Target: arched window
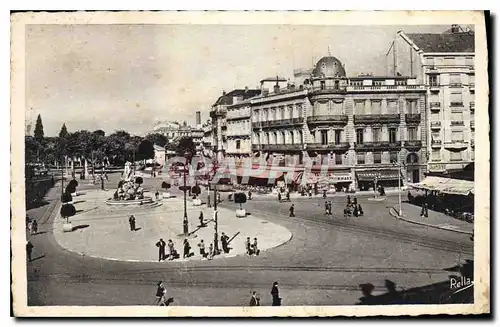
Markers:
point(412, 158)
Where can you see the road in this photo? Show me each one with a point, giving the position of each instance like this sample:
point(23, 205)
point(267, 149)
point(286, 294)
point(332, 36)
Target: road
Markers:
point(324, 263)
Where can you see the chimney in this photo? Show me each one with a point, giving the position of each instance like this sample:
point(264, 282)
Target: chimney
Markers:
point(198, 119)
point(223, 92)
point(246, 89)
point(276, 88)
point(455, 28)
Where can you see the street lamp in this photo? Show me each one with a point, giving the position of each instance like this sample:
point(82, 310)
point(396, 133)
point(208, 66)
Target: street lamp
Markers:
point(400, 212)
point(185, 226)
point(216, 225)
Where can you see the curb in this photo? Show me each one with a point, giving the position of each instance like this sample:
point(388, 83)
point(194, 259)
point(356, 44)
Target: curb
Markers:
point(395, 215)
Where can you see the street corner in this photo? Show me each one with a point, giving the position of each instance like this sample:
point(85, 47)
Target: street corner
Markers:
point(104, 231)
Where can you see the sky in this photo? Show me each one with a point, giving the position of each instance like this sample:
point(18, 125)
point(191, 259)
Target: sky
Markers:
point(114, 77)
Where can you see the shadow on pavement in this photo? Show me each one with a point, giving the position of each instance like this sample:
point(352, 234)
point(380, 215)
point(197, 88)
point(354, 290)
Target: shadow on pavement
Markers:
point(457, 289)
point(138, 228)
point(79, 201)
point(39, 257)
point(36, 204)
point(80, 227)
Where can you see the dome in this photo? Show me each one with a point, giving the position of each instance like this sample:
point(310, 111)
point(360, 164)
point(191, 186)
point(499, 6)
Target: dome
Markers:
point(329, 67)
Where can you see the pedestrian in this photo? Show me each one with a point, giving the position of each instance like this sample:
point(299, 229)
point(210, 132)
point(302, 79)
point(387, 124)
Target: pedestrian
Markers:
point(288, 195)
point(422, 211)
point(187, 249)
point(161, 249)
point(34, 227)
point(210, 251)
point(255, 247)
point(326, 208)
point(275, 295)
point(249, 195)
point(202, 224)
point(218, 198)
point(248, 247)
point(360, 210)
point(292, 210)
point(324, 194)
point(347, 211)
point(157, 195)
point(355, 210)
point(161, 293)
point(172, 253)
point(224, 238)
point(348, 200)
point(279, 196)
point(355, 201)
point(310, 193)
point(29, 250)
point(131, 222)
point(329, 208)
point(201, 245)
point(426, 213)
point(254, 300)
point(29, 225)
point(209, 204)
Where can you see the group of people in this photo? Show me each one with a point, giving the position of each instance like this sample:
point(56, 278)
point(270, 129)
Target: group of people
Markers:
point(328, 208)
point(280, 197)
point(252, 248)
point(163, 254)
point(353, 208)
point(32, 225)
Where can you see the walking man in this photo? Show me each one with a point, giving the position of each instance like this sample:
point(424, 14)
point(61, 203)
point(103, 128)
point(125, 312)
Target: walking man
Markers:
point(131, 222)
point(292, 210)
point(161, 293)
point(255, 247)
point(254, 300)
point(29, 250)
point(187, 249)
point(201, 245)
point(34, 227)
point(329, 208)
point(275, 293)
point(326, 208)
point(248, 246)
point(279, 196)
point(171, 250)
point(161, 249)
point(202, 224)
point(224, 238)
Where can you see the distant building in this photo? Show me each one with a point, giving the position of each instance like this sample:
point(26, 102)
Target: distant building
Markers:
point(174, 131)
point(160, 154)
point(444, 63)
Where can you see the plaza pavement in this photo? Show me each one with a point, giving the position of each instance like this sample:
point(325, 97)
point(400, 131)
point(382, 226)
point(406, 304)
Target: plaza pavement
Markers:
point(103, 231)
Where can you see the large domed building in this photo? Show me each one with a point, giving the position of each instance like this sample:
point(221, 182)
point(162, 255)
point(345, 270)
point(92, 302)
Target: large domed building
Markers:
point(328, 67)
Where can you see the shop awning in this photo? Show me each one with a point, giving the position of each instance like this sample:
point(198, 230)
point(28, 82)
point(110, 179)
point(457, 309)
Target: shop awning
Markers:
point(430, 183)
point(446, 185)
point(380, 175)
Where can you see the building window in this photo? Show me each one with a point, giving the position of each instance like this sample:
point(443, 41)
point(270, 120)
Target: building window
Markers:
point(337, 136)
point(457, 117)
point(336, 85)
point(301, 137)
point(323, 86)
point(283, 138)
point(393, 133)
point(435, 137)
point(472, 79)
point(393, 157)
point(433, 80)
point(360, 107)
point(457, 136)
point(392, 107)
point(356, 83)
point(338, 159)
point(412, 133)
point(377, 83)
point(411, 106)
point(376, 134)
point(456, 156)
point(292, 137)
point(324, 137)
point(455, 80)
point(238, 144)
point(456, 99)
point(376, 107)
point(436, 155)
point(359, 136)
point(360, 158)
point(377, 157)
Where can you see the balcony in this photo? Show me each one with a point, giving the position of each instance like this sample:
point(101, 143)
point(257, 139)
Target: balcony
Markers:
point(434, 87)
point(435, 106)
point(413, 145)
point(456, 85)
point(342, 146)
point(377, 119)
point(472, 86)
point(327, 119)
point(456, 145)
point(456, 104)
point(218, 112)
point(281, 147)
point(435, 125)
point(383, 88)
point(412, 118)
point(328, 89)
point(436, 143)
point(472, 124)
point(377, 146)
point(472, 106)
point(278, 123)
point(457, 123)
point(256, 147)
point(472, 143)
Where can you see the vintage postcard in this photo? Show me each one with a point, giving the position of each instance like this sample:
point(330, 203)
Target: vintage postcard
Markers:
point(250, 164)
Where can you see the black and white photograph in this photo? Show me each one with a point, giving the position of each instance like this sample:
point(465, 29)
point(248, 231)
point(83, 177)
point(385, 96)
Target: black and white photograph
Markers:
point(177, 164)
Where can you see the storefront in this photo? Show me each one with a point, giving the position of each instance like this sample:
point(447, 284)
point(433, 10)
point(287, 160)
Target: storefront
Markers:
point(371, 179)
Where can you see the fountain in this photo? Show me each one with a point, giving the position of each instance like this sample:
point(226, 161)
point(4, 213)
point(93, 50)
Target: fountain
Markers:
point(129, 190)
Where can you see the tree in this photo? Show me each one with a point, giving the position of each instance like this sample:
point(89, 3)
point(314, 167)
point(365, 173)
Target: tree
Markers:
point(196, 190)
point(100, 132)
point(157, 138)
point(38, 134)
point(139, 180)
point(67, 210)
point(145, 150)
point(240, 198)
point(185, 144)
point(165, 185)
point(64, 131)
point(71, 187)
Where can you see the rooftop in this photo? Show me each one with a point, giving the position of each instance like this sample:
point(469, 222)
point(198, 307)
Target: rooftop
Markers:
point(446, 42)
point(227, 99)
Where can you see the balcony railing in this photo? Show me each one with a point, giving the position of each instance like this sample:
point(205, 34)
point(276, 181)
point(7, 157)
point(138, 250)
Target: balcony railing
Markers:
point(277, 147)
point(456, 104)
point(278, 123)
point(342, 146)
point(413, 144)
point(455, 85)
point(472, 106)
point(472, 124)
point(218, 112)
point(472, 143)
point(384, 87)
point(321, 119)
point(412, 118)
point(377, 119)
point(456, 144)
point(457, 123)
point(436, 143)
point(435, 124)
point(435, 106)
point(381, 146)
point(472, 85)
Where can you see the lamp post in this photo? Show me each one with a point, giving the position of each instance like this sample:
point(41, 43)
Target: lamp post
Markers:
point(216, 224)
point(185, 226)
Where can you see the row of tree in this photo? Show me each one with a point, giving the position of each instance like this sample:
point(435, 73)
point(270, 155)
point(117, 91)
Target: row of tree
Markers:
point(96, 147)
